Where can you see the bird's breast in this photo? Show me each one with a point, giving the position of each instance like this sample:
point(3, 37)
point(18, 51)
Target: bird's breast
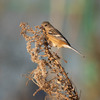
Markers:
point(56, 42)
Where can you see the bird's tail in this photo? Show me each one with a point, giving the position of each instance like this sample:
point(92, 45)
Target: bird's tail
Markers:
point(67, 46)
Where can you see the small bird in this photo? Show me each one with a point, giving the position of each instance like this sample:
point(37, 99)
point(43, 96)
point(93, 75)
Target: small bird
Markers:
point(56, 38)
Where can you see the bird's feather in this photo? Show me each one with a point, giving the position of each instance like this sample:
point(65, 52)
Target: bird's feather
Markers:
point(58, 35)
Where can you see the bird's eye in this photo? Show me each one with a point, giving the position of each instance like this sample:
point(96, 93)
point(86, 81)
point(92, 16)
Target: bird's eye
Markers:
point(45, 24)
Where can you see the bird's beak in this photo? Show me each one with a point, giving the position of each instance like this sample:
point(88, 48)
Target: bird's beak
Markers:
point(41, 27)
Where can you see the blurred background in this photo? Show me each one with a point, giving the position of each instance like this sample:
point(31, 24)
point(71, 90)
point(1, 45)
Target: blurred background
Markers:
point(78, 20)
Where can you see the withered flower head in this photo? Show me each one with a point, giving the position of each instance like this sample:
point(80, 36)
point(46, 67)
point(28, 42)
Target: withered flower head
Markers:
point(49, 75)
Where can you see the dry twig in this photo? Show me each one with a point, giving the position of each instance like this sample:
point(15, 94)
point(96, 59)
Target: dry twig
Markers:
point(49, 75)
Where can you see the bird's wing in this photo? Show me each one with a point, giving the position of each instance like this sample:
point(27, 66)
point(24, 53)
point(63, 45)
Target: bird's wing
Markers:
point(58, 35)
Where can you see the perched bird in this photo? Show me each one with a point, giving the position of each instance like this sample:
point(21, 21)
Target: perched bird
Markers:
point(55, 37)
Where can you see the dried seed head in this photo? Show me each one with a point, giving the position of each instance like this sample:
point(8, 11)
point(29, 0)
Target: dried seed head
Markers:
point(49, 75)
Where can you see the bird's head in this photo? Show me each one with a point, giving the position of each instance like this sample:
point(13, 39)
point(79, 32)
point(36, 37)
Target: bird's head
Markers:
point(46, 25)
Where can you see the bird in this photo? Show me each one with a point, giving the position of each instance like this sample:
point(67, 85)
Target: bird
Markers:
point(56, 38)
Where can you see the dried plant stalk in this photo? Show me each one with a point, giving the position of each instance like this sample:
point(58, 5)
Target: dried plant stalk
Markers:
point(49, 75)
